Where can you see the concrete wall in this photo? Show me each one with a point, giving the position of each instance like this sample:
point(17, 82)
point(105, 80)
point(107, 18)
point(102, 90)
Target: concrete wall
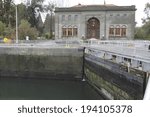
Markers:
point(112, 80)
point(51, 63)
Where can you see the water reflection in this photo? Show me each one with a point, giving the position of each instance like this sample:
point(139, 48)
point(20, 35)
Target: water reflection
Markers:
point(38, 89)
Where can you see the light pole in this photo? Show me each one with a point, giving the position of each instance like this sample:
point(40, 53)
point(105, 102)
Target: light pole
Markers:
point(105, 20)
point(51, 20)
point(51, 31)
point(16, 24)
point(51, 8)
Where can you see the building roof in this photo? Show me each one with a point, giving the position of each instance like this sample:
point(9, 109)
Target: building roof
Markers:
point(106, 7)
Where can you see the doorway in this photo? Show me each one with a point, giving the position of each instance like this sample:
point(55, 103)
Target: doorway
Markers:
point(93, 28)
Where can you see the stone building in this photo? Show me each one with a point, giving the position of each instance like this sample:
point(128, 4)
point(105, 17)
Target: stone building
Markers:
point(95, 21)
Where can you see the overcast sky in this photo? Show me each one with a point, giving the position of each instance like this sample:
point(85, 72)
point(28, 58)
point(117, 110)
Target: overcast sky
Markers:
point(140, 5)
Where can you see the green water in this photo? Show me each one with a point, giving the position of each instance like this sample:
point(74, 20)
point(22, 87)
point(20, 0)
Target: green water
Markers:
point(37, 89)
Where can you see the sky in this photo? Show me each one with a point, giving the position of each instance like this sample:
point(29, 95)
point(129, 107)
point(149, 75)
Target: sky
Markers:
point(140, 5)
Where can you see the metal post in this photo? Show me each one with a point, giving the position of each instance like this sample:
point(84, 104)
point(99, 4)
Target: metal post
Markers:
point(51, 32)
point(83, 65)
point(16, 24)
point(105, 24)
point(147, 91)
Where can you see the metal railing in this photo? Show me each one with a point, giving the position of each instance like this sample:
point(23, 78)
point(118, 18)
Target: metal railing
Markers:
point(147, 91)
point(90, 42)
point(134, 62)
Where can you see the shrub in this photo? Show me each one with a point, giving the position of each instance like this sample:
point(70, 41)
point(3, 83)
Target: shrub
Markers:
point(25, 29)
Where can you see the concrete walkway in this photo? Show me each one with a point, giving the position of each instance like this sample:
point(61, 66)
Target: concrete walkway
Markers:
point(128, 51)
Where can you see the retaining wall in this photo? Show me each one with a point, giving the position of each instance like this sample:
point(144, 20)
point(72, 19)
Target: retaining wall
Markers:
point(34, 62)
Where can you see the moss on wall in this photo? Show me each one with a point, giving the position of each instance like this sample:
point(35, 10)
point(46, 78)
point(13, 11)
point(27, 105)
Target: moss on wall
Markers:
point(113, 90)
point(112, 81)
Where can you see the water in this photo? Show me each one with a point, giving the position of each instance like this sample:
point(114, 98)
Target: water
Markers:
point(37, 89)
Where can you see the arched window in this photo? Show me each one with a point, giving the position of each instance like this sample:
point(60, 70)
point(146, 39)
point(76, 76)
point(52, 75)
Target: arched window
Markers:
point(69, 17)
point(117, 30)
point(75, 17)
point(63, 18)
point(70, 32)
point(64, 31)
point(75, 31)
point(123, 31)
point(111, 30)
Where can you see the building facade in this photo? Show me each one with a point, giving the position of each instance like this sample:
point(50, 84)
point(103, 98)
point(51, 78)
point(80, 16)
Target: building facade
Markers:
point(95, 21)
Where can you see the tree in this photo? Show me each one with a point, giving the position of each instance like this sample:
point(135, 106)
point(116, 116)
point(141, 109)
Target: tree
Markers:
point(147, 13)
point(146, 21)
point(25, 29)
point(139, 33)
point(144, 31)
point(47, 24)
point(146, 28)
point(22, 12)
point(7, 11)
point(2, 28)
point(33, 11)
point(50, 17)
point(9, 32)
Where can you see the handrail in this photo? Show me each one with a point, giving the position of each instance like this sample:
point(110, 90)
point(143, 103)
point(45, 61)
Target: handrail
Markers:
point(145, 62)
point(120, 54)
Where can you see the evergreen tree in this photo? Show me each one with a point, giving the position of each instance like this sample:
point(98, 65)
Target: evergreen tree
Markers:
point(22, 12)
point(7, 12)
point(146, 21)
point(2, 29)
point(50, 21)
point(33, 12)
point(143, 32)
